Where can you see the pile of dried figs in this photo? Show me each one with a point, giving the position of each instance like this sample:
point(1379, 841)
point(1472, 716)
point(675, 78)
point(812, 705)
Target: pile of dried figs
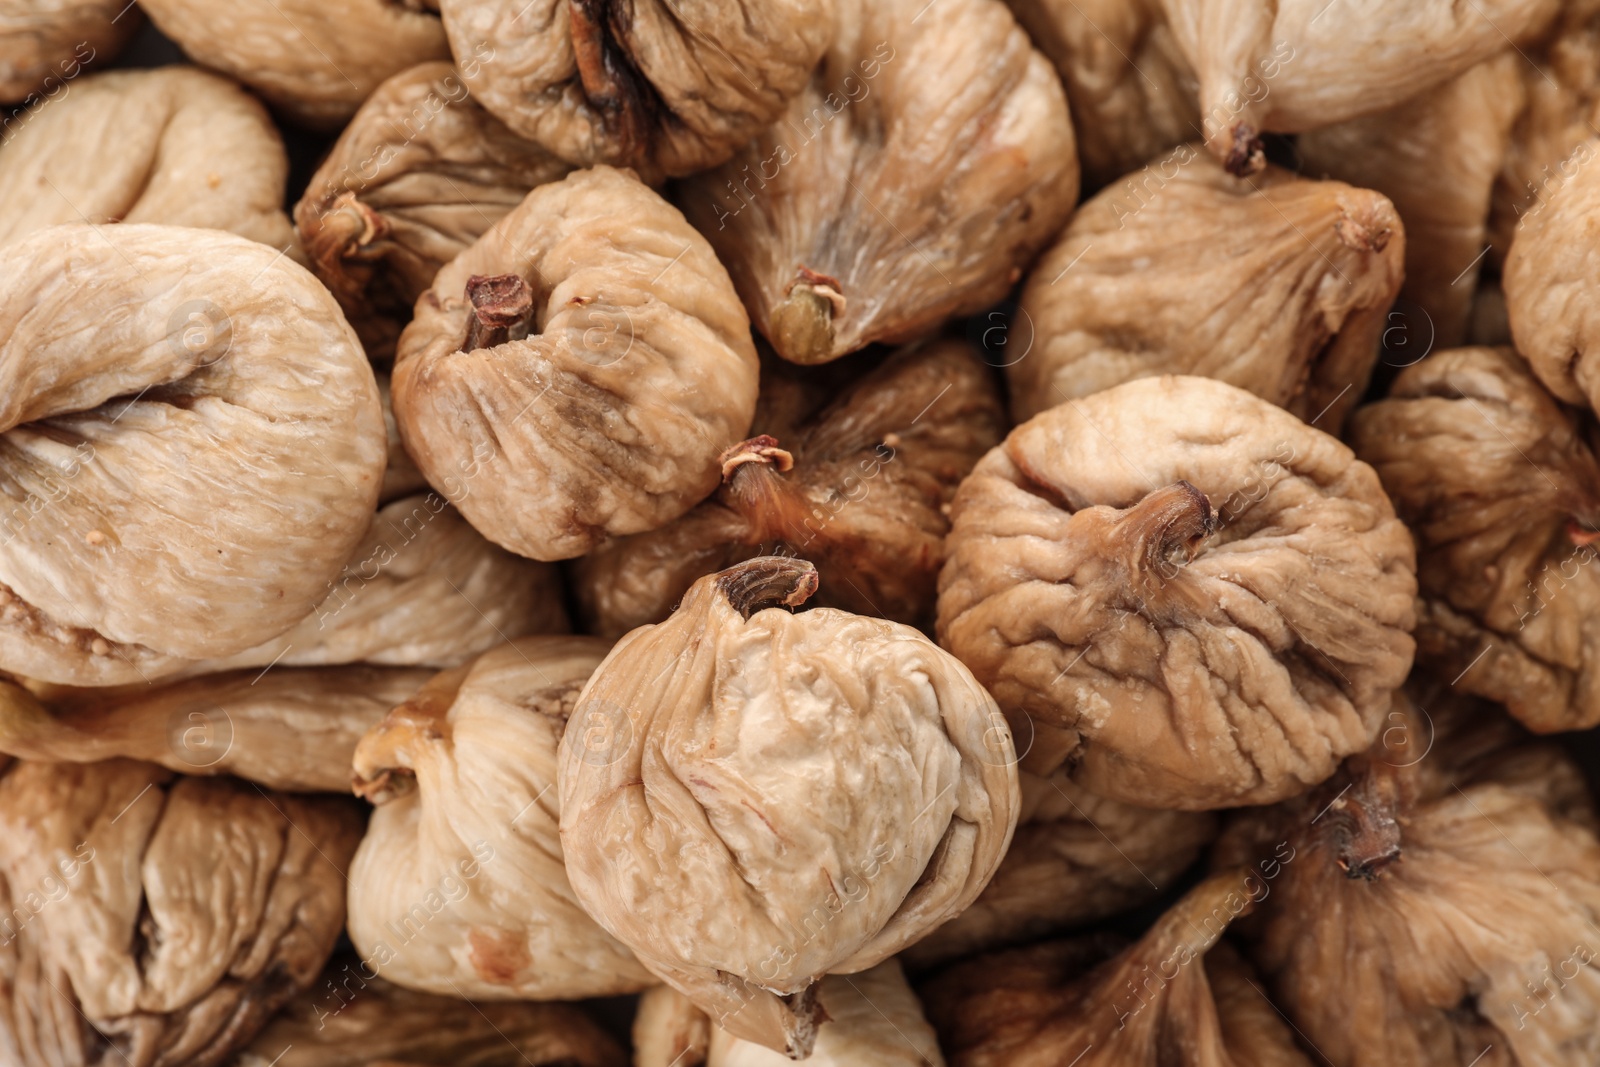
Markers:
point(891, 533)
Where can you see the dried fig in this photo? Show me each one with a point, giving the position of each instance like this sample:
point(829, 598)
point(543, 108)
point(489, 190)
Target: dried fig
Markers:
point(1177, 997)
point(858, 488)
point(1212, 617)
point(922, 169)
point(1502, 490)
point(577, 371)
point(418, 175)
point(458, 887)
point(666, 87)
point(44, 44)
point(1275, 284)
point(193, 445)
point(158, 920)
point(752, 799)
point(400, 475)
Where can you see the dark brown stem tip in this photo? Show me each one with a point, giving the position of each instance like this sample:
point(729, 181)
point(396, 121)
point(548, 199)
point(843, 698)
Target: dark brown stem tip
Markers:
point(762, 450)
point(808, 1015)
point(1362, 822)
point(767, 582)
point(502, 308)
point(1248, 155)
point(1169, 524)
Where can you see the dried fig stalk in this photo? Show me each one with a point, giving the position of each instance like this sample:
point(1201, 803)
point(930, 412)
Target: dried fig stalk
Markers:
point(1212, 617)
point(192, 447)
point(160, 920)
point(1502, 490)
point(1275, 284)
point(912, 181)
point(732, 737)
point(634, 371)
point(458, 887)
point(44, 44)
point(418, 176)
point(858, 488)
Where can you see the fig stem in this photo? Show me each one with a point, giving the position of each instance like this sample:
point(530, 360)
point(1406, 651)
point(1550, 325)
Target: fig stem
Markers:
point(502, 310)
point(767, 582)
point(610, 81)
point(1247, 155)
point(772, 507)
point(1164, 530)
point(802, 325)
point(1362, 823)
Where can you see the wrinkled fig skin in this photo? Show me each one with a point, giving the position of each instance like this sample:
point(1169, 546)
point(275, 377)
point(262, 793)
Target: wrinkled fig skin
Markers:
point(915, 178)
point(464, 775)
point(193, 909)
point(751, 799)
point(604, 410)
point(858, 488)
point(352, 1019)
point(192, 448)
point(1177, 997)
point(314, 60)
point(1275, 284)
point(1075, 858)
point(400, 475)
point(293, 729)
point(419, 174)
point(1443, 905)
point(1500, 487)
point(44, 44)
point(1294, 65)
point(1208, 620)
point(1445, 209)
point(667, 87)
point(175, 146)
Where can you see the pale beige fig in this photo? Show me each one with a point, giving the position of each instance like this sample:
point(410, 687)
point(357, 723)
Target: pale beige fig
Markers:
point(578, 370)
point(1275, 284)
point(1180, 996)
point(314, 60)
point(352, 1018)
point(175, 146)
point(1074, 859)
point(193, 448)
point(669, 1031)
point(1442, 899)
point(1180, 592)
point(1500, 484)
point(159, 920)
point(289, 728)
point(857, 486)
point(915, 178)
point(418, 175)
point(400, 475)
point(1400, 153)
point(1293, 65)
point(829, 788)
point(667, 87)
point(45, 44)
point(458, 887)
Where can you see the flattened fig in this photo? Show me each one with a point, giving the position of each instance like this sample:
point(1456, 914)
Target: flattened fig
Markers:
point(46, 43)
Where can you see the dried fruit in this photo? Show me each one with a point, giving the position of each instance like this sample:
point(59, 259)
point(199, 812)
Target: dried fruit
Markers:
point(665, 87)
point(1501, 487)
point(828, 788)
point(159, 920)
point(1212, 618)
point(912, 181)
point(193, 447)
point(1275, 284)
point(577, 371)
point(857, 486)
point(458, 887)
point(418, 176)
point(44, 44)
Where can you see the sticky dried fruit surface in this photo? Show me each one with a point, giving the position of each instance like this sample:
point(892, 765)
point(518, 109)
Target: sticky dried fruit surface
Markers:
point(578, 370)
point(193, 446)
point(912, 181)
point(45, 43)
point(1211, 618)
point(1276, 284)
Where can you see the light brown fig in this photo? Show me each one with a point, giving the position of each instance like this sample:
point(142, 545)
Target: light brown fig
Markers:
point(578, 370)
point(1501, 487)
point(923, 168)
point(828, 789)
point(400, 475)
point(667, 87)
point(458, 887)
point(857, 486)
point(1442, 900)
point(314, 60)
point(193, 446)
point(1276, 284)
point(418, 176)
point(45, 44)
point(159, 920)
point(1184, 594)
point(1179, 996)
